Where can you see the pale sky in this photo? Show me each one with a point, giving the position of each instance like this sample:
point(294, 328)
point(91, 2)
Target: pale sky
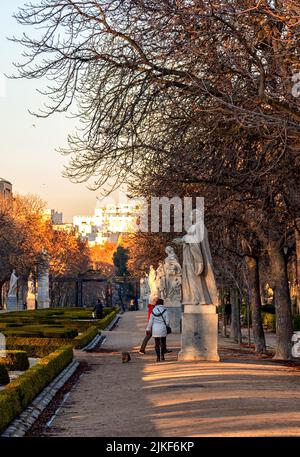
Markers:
point(27, 154)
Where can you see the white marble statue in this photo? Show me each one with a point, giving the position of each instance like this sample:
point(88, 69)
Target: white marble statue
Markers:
point(198, 280)
point(13, 284)
point(152, 283)
point(173, 274)
point(161, 284)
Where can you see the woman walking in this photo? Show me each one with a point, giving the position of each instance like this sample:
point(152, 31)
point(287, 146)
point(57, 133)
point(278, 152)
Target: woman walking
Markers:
point(158, 323)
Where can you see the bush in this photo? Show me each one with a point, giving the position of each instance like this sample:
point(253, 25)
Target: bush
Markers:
point(23, 333)
point(68, 333)
point(21, 392)
point(82, 340)
point(4, 377)
point(107, 320)
point(43, 332)
point(35, 347)
point(15, 360)
point(269, 321)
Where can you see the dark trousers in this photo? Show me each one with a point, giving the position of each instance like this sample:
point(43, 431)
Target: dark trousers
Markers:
point(161, 345)
point(145, 342)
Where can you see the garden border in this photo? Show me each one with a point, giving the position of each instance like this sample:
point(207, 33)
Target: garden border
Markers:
point(20, 425)
point(26, 419)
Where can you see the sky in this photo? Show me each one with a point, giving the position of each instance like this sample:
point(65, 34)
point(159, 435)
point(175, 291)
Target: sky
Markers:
point(28, 157)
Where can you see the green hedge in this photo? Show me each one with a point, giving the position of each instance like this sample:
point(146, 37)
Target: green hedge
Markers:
point(15, 360)
point(82, 340)
point(4, 377)
point(46, 332)
point(35, 347)
point(107, 320)
point(15, 397)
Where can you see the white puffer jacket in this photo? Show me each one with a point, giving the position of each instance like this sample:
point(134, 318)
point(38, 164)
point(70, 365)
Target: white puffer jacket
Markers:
point(156, 323)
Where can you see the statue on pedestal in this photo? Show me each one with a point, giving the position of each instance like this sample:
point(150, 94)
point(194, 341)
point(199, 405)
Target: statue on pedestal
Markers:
point(173, 274)
point(161, 285)
point(198, 280)
point(13, 284)
point(152, 283)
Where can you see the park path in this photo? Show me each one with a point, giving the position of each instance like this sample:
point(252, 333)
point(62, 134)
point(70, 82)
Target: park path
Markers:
point(237, 397)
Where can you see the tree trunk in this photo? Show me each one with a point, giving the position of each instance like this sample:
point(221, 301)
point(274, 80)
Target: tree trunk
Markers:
point(284, 326)
point(255, 303)
point(235, 329)
point(297, 238)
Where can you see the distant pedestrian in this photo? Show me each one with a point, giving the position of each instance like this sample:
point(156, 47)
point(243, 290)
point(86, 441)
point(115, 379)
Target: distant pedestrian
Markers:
point(228, 312)
point(98, 309)
point(157, 326)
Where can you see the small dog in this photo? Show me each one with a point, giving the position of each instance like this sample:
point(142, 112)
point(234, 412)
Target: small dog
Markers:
point(126, 357)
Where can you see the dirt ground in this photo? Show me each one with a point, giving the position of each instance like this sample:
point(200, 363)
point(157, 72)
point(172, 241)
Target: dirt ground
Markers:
point(243, 395)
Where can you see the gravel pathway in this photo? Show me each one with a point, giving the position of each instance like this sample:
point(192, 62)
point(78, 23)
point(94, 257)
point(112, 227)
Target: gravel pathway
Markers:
point(244, 395)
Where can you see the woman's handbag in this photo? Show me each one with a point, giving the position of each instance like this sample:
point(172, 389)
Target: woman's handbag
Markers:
point(169, 330)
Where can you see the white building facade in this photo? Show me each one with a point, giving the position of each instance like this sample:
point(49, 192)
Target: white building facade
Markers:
point(107, 223)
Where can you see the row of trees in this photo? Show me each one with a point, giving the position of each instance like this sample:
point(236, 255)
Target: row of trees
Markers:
point(187, 98)
point(25, 233)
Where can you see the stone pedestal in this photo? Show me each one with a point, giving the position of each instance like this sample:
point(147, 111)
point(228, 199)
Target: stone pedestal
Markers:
point(175, 314)
point(43, 298)
point(12, 303)
point(199, 339)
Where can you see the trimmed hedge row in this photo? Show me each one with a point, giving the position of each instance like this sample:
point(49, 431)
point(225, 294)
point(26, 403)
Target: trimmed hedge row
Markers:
point(47, 332)
point(15, 360)
point(21, 392)
point(4, 377)
point(82, 340)
point(35, 347)
point(108, 319)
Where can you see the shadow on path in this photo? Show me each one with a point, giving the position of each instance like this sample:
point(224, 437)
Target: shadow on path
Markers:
point(238, 397)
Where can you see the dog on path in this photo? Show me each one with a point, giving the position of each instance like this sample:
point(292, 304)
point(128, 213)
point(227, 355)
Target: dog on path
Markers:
point(126, 357)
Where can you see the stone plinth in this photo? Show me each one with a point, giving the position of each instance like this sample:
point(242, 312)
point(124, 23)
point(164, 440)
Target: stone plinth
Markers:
point(31, 302)
point(12, 303)
point(199, 339)
point(175, 315)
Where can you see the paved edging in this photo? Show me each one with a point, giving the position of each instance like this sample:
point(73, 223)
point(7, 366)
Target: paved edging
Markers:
point(26, 419)
point(94, 343)
point(113, 323)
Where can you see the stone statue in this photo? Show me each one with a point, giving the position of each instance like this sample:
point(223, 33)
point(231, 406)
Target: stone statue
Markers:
point(13, 284)
point(161, 284)
point(173, 273)
point(198, 280)
point(152, 283)
point(146, 286)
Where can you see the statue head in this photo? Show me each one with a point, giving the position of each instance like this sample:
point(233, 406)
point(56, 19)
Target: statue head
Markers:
point(169, 250)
